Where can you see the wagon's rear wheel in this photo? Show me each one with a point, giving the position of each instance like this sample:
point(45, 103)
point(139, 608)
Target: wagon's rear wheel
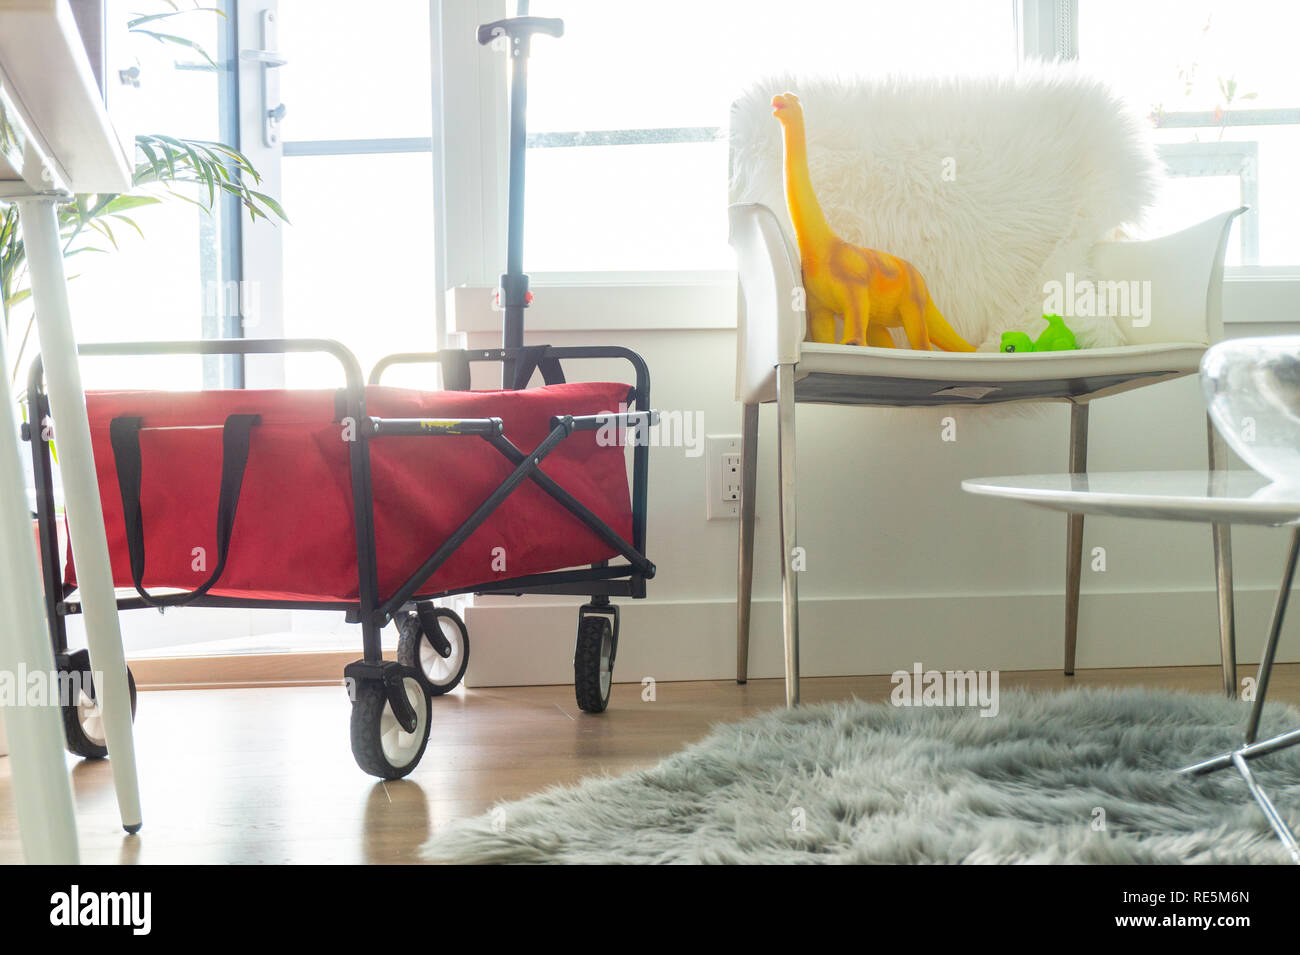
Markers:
point(435, 642)
point(380, 744)
point(593, 662)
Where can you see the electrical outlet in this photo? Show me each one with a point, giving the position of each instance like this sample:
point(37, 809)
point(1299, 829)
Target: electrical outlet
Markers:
point(722, 455)
point(731, 476)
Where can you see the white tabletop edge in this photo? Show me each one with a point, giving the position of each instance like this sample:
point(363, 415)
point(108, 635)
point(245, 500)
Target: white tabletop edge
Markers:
point(1112, 499)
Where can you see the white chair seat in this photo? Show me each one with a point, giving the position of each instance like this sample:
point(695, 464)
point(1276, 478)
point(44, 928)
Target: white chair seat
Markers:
point(851, 374)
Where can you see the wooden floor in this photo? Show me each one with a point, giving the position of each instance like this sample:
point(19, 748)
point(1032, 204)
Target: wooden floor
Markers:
point(266, 776)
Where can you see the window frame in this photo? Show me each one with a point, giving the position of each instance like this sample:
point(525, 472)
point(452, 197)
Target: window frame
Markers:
point(1249, 291)
point(474, 176)
point(475, 116)
point(227, 371)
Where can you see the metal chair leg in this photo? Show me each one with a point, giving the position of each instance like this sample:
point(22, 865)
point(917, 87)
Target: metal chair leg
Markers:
point(1074, 534)
point(745, 569)
point(1222, 534)
point(786, 492)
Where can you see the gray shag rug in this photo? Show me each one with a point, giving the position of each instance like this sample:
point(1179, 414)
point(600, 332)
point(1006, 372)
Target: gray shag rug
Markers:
point(1083, 776)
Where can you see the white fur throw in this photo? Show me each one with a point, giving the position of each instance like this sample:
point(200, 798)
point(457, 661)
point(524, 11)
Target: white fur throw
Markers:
point(991, 186)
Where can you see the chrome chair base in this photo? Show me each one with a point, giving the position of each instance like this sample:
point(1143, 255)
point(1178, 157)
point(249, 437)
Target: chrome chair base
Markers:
point(1250, 749)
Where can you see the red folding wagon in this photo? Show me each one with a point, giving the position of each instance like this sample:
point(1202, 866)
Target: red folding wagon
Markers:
point(371, 500)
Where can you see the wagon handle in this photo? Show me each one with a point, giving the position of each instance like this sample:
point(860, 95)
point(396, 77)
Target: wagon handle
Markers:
point(518, 31)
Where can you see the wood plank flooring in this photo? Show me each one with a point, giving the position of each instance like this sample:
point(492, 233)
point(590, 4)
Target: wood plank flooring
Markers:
point(266, 775)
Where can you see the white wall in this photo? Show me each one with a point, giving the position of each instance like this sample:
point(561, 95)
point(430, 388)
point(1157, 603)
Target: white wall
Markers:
point(145, 632)
point(902, 565)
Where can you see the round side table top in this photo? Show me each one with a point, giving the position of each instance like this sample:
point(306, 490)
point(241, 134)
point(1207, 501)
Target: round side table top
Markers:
point(1212, 497)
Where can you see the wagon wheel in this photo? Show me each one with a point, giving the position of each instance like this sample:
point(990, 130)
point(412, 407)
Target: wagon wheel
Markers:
point(380, 745)
point(436, 643)
point(83, 723)
point(593, 662)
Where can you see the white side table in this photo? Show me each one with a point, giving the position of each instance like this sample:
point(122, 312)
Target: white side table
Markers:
point(56, 139)
point(1210, 497)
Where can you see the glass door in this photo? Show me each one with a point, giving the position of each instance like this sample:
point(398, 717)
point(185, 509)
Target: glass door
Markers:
point(351, 159)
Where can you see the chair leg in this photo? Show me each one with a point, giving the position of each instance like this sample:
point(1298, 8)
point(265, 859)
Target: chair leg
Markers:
point(786, 491)
point(745, 569)
point(1074, 534)
point(1218, 457)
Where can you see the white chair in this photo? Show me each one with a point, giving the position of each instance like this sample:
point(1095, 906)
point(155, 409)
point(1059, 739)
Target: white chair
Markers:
point(775, 364)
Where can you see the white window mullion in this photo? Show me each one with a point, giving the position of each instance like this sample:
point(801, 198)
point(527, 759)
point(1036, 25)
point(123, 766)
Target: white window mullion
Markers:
point(469, 147)
point(262, 295)
point(1047, 29)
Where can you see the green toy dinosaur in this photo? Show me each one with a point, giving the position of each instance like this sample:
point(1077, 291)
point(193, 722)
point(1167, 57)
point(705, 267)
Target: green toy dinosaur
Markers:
point(1056, 337)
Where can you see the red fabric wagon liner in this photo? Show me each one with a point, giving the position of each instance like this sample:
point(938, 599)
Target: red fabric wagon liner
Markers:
point(293, 537)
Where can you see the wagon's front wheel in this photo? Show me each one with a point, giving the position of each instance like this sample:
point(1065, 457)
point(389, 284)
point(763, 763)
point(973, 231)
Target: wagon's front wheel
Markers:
point(380, 744)
point(593, 663)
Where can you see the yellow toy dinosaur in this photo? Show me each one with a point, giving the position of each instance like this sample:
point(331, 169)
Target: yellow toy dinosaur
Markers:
point(870, 290)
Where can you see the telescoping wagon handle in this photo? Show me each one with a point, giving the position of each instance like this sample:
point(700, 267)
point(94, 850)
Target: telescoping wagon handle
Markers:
point(514, 296)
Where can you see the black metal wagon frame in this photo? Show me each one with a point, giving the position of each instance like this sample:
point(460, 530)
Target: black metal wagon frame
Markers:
point(372, 680)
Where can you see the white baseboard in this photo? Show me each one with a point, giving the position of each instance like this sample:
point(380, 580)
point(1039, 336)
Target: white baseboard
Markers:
point(526, 642)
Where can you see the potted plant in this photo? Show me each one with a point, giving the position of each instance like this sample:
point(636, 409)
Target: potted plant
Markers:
point(168, 168)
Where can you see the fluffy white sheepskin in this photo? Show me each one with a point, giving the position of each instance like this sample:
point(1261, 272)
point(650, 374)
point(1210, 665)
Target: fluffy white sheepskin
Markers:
point(992, 186)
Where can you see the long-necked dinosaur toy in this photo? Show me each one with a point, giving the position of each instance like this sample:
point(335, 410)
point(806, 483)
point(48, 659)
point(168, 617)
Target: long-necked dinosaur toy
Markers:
point(871, 291)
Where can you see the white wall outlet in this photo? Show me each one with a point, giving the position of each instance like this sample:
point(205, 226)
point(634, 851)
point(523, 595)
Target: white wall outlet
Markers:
point(722, 456)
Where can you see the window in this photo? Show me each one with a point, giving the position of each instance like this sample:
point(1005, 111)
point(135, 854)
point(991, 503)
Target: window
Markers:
point(627, 113)
point(1217, 80)
point(357, 180)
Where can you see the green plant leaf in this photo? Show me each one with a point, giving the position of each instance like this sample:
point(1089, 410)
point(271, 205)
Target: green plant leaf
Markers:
point(142, 143)
point(99, 225)
point(140, 19)
point(175, 194)
point(270, 203)
point(179, 41)
point(170, 157)
point(122, 203)
point(203, 169)
point(131, 222)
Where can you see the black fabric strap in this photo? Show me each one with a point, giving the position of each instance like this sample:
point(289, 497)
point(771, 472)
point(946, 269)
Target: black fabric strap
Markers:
point(530, 358)
point(455, 369)
point(552, 373)
point(125, 436)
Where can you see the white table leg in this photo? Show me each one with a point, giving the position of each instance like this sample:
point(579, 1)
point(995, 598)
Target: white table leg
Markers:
point(81, 494)
point(42, 794)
